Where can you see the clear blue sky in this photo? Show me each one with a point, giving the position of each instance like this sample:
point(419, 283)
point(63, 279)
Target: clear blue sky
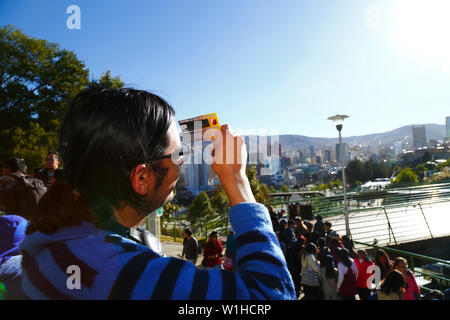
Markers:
point(261, 64)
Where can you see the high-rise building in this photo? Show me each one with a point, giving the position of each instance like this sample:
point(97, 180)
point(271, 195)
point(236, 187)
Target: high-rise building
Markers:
point(311, 152)
point(447, 127)
point(419, 136)
point(398, 148)
point(196, 172)
point(346, 153)
point(327, 155)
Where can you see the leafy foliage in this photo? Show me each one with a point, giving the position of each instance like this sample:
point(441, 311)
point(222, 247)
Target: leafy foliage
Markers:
point(199, 210)
point(406, 176)
point(38, 79)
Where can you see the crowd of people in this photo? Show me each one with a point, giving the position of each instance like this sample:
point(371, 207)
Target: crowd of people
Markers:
point(325, 265)
point(213, 251)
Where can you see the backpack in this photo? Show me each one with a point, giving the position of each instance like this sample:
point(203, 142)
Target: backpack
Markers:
point(21, 194)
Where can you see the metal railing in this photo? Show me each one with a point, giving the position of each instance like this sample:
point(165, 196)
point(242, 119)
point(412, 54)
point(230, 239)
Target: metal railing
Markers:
point(412, 258)
point(358, 201)
point(398, 216)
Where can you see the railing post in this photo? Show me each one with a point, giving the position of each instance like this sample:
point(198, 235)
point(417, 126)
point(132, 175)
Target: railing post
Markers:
point(389, 227)
point(425, 218)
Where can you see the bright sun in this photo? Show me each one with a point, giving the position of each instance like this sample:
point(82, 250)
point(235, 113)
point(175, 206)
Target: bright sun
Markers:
point(421, 31)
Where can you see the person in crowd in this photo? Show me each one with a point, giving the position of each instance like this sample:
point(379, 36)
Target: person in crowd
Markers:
point(412, 291)
point(19, 192)
point(349, 245)
point(228, 260)
point(275, 224)
point(300, 229)
point(274, 219)
point(363, 263)
point(287, 234)
point(12, 233)
point(447, 294)
point(392, 287)
point(213, 251)
point(231, 245)
point(122, 155)
point(323, 250)
point(327, 228)
point(310, 273)
point(294, 263)
point(347, 275)
point(10, 168)
point(319, 229)
point(14, 166)
point(51, 172)
point(328, 278)
point(383, 262)
point(281, 214)
point(191, 248)
point(334, 244)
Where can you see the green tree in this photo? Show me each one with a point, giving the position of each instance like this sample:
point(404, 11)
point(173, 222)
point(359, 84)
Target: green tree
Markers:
point(108, 81)
point(426, 157)
point(38, 79)
point(406, 176)
point(200, 210)
point(31, 144)
point(420, 171)
point(168, 211)
point(219, 200)
point(284, 188)
point(259, 190)
point(368, 173)
point(354, 171)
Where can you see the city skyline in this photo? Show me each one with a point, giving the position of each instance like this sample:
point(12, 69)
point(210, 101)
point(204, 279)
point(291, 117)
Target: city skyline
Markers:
point(265, 64)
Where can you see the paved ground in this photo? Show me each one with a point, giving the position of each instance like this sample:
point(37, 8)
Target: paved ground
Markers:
point(172, 249)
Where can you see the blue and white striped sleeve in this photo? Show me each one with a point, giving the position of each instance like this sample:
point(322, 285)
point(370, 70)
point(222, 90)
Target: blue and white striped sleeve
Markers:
point(261, 270)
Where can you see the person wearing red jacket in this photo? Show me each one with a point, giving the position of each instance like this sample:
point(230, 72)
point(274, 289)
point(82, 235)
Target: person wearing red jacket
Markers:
point(363, 262)
point(213, 251)
point(412, 291)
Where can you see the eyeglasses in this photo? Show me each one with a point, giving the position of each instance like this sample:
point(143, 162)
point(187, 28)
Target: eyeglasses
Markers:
point(179, 156)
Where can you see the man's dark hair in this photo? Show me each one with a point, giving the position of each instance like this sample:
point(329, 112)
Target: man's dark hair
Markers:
point(104, 135)
point(319, 218)
point(15, 165)
point(188, 232)
point(54, 152)
point(291, 222)
point(327, 223)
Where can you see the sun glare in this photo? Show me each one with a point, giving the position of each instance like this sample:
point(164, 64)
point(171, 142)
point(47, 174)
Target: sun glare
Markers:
point(421, 31)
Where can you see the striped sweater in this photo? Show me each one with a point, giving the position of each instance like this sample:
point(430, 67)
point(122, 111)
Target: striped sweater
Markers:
point(113, 267)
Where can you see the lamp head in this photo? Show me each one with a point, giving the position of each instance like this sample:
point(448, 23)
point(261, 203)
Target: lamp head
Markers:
point(338, 120)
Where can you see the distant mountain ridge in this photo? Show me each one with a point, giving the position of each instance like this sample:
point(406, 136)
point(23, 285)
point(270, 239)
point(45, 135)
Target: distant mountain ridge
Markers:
point(293, 142)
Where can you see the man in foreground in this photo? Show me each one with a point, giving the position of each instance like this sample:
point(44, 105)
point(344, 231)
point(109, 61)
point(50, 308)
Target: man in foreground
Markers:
point(122, 156)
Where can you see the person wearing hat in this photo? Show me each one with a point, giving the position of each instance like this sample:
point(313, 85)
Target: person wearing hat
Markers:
point(12, 232)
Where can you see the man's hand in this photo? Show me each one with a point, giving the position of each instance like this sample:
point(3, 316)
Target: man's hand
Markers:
point(230, 158)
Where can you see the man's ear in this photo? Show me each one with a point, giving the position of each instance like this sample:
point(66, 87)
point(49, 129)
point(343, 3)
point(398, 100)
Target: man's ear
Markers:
point(141, 179)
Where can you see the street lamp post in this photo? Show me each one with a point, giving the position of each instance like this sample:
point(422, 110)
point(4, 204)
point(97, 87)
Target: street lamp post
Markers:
point(338, 120)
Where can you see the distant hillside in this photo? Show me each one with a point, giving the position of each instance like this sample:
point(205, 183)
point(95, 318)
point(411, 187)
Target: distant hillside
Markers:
point(292, 142)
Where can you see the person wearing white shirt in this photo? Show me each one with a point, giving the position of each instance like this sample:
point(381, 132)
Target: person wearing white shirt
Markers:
point(347, 275)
